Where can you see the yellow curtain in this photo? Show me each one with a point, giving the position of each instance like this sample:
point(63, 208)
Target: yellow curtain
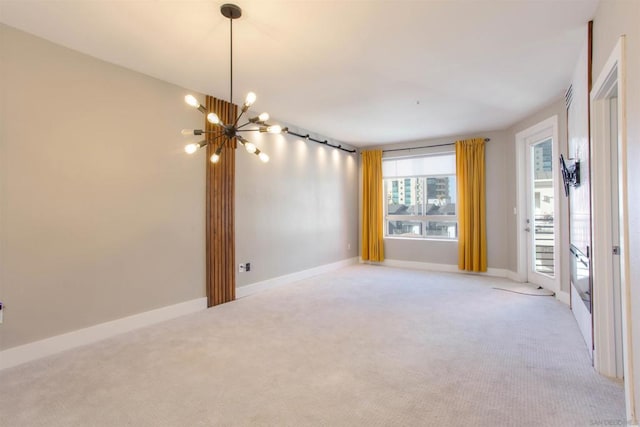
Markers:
point(372, 221)
point(472, 235)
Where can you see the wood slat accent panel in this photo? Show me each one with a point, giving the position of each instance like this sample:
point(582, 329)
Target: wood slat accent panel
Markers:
point(220, 227)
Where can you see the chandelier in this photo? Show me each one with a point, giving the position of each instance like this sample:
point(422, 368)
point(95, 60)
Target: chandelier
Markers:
point(227, 131)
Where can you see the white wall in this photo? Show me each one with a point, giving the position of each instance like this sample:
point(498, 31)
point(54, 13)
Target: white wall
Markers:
point(498, 209)
point(101, 211)
point(613, 19)
point(296, 212)
point(578, 148)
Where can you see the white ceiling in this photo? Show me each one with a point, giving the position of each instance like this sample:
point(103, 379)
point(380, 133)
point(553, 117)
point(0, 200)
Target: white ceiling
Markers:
point(362, 71)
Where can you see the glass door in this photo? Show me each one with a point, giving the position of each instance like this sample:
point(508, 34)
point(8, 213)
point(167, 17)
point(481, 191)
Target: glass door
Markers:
point(540, 222)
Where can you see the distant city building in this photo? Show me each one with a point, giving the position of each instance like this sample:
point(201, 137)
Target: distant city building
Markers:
point(405, 191)
point(543, 160)
point(410, 193)
point(438, 190)
point(543, 178)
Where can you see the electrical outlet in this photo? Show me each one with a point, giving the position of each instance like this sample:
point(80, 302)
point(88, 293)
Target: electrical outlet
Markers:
point(241, 268)
point(247, 267)
point(348, 246)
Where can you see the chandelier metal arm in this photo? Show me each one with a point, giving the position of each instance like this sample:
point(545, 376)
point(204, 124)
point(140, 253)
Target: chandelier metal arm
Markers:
point(209, 131)
point(243, 141)
point(246, 124)
point(220, 145)
point(239, 116)
point(254, 121)
point(214, 139)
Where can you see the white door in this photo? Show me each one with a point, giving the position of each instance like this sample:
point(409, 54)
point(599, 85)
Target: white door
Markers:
point(615, 237)
point(538, 204)
point(612, 309)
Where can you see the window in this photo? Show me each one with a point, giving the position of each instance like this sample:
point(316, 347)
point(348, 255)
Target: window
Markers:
point(420, 197)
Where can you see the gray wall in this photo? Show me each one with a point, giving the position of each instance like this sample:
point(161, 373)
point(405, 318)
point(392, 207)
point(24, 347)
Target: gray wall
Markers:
point(555, 109)
point(101, 210)
point(296, 212)
point(613, 19)
point(497, 176)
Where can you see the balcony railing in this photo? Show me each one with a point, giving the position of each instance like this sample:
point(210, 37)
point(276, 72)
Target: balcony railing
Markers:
point(544, 241)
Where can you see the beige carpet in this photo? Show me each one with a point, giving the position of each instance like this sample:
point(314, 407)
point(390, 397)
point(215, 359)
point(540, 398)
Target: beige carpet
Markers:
point(363, 346)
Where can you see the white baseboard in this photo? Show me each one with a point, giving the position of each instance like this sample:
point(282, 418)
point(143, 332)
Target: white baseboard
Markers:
point(415, 265)
point(583, 317)
point(46, 347)
point(512, 275)
point(446, 268)
point(246, 290)
point(449, 268)
point(563, 297)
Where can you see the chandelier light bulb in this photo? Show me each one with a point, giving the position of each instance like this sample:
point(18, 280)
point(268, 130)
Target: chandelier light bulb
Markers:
point(250, 147)
point(274, 129)
point(191, 148)
point(186, 132)
point(215, 158)
point(251, 98)
point(264, 157)
point(191, 100)
point(263, 117)
point(213, 118)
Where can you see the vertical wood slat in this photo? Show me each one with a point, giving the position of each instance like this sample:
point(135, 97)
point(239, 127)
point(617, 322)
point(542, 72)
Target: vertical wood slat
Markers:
point(220, 210)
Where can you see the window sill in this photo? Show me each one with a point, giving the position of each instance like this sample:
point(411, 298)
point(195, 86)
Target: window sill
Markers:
point(420, 239)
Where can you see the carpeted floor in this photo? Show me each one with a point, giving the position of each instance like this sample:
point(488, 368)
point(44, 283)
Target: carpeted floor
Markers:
point(362, 346)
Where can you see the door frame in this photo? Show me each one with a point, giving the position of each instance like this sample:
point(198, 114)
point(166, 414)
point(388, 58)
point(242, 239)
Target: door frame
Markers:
point(612, 78)
point(546, 127)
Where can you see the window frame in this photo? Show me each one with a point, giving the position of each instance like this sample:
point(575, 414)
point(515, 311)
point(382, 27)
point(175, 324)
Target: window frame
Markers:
point(424, 219)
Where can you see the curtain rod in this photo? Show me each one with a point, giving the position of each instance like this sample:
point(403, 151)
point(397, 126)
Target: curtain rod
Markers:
point(426, 146)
